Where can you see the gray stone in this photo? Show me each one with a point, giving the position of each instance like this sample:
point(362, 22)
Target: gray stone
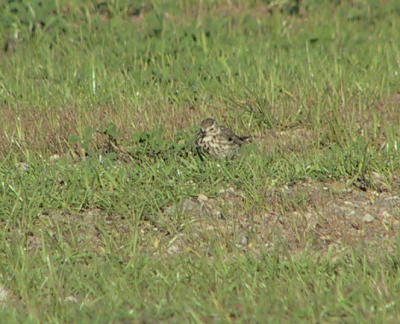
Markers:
point(368, 218)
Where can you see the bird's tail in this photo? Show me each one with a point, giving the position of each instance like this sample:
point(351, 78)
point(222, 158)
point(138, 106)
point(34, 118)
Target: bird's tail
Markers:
point(246, 139)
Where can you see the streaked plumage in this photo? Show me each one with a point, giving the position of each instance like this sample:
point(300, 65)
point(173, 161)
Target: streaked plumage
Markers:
point(218, 141)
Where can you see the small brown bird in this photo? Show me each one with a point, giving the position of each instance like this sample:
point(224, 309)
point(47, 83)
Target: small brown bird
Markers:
point(218, 141)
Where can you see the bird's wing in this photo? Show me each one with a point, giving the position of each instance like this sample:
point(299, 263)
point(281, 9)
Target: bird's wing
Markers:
point(231, 137)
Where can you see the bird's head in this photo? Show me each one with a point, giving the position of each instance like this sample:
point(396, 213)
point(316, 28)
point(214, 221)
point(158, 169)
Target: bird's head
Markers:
point(209, 126)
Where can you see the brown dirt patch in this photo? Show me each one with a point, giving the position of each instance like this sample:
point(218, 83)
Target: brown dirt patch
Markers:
point(293, 140)
point(308, 216)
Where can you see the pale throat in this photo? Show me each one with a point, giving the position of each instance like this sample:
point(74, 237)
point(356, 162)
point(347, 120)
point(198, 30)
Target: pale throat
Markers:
point(215, 132)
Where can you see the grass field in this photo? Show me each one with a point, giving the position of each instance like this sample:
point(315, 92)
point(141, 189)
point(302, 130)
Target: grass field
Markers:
point(108, 215)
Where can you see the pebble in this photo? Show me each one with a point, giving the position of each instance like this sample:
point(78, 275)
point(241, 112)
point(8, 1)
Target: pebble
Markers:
point(71, 299)
point(54, 157)
point(368, 218)
point(173, 249)
point(22, 166)
point(244, 240)
point(222, 191)
point(202, 198)
point(218, 214)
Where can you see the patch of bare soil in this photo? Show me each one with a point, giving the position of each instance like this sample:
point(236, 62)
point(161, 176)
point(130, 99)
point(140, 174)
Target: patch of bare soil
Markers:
point(89, 231)
point(312, 216)
point(305, 217)
point(339, 217)
point(295, 140)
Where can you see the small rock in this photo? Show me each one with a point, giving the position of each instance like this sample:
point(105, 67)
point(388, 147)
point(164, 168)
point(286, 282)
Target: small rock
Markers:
point(54, 157)
point(173, 249)
point(71, 299)
point(22, 166)
point(368, 218)
point(202, 198)
point(243, 241)
point(222, 191)
point(218, 214)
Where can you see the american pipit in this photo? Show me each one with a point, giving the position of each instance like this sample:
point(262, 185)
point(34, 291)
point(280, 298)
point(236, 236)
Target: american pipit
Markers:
point(218, 141)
